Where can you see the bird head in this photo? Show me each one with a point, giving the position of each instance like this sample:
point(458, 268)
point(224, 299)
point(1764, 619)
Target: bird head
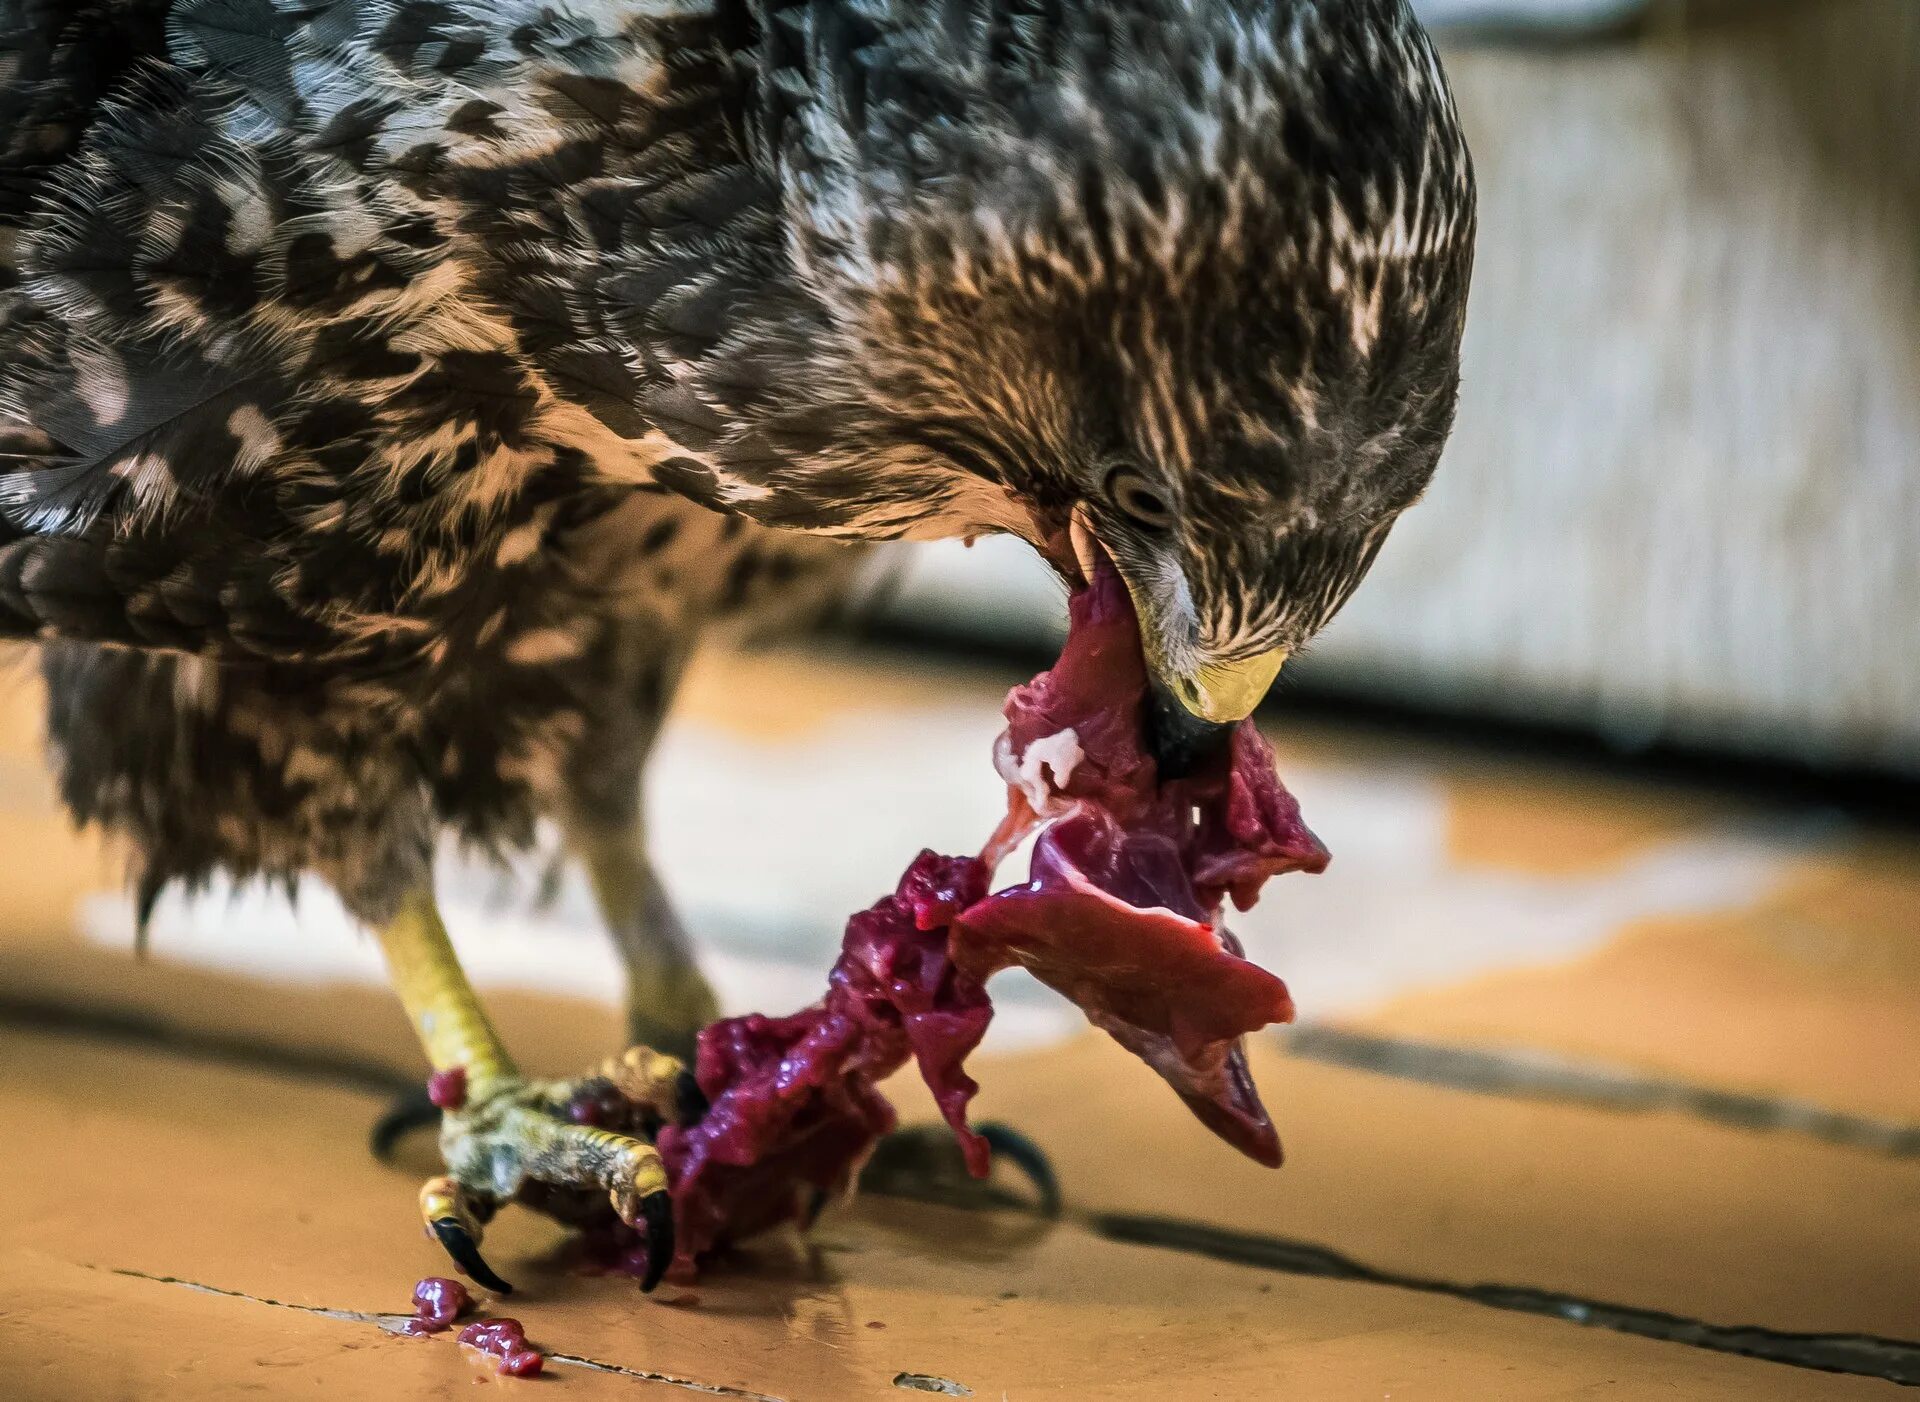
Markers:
point(1178, 281)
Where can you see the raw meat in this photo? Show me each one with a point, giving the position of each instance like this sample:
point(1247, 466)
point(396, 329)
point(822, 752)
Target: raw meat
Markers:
point(1121, 913)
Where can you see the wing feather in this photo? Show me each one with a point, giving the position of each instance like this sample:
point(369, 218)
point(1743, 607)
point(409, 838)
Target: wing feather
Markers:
point(314, 300)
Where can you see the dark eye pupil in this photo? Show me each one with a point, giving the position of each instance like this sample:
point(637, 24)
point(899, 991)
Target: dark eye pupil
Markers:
point(1140, 501)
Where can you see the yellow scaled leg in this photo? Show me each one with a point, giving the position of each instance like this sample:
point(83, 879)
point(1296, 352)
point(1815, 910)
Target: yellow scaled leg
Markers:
point(668, 998)
point(440, 1003)
point(507, 1137)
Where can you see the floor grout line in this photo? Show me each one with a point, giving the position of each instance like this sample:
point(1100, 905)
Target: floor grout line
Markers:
point(1864, 1355)
point(1539, 1075)
point(391, 1324)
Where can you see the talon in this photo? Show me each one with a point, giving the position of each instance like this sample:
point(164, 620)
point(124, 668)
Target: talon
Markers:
point(924, 1162)
point(643, 1204)
point(656, 1212)
point(1029, 1158)
point(460, 1245)
point(408, 1112)
point(817, 1200)
point(636, 1182)
point(457, 1229)
point(691, 1100)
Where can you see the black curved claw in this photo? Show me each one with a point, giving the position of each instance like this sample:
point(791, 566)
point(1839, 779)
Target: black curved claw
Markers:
point(1029, 1158)
point(408, 1112)
point(656, 1210)
point(466, 1255)
point(689, 1099)
point(817, 1200)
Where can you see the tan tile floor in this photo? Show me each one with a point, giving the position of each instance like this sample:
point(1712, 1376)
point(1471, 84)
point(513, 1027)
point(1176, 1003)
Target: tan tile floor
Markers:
point(1646, 1048)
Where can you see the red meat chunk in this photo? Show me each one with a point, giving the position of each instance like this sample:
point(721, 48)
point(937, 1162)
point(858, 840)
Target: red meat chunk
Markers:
point(437, 1302)
point(506, 1340)
point(1121, 914)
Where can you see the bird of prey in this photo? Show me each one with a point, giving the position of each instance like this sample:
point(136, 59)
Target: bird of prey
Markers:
point(393, 391)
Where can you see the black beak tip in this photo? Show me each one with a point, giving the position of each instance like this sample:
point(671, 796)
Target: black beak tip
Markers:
point(1180, 741)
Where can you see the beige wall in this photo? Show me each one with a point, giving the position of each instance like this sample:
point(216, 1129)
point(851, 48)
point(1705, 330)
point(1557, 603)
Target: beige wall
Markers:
point(1685, 489)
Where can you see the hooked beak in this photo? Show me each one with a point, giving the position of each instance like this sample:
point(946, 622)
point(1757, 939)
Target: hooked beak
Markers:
point(1194, 707)
point(1191, 718)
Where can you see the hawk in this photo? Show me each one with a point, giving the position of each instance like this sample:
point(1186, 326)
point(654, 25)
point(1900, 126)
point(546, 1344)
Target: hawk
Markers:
point(392, 392)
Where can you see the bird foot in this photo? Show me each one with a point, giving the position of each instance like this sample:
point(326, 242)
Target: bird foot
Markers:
point(571, 1149)
point(925, 1163)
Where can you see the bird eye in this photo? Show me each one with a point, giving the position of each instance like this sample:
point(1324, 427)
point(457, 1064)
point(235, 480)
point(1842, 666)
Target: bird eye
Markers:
point(1139, 499)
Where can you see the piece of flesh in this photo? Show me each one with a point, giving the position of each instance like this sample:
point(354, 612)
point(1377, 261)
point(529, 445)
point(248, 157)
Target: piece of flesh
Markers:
point(437, 1303)
point(1120, 913)
point(506, 1340)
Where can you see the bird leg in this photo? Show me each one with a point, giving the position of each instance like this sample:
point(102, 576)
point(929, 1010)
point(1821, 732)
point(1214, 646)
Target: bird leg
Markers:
point(556, 1145)
point(668, 998)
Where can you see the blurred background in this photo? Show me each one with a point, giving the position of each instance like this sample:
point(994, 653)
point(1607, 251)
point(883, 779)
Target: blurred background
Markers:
point(1610, 1000)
